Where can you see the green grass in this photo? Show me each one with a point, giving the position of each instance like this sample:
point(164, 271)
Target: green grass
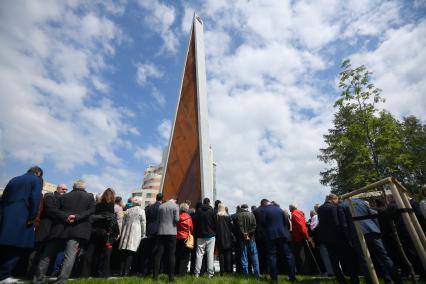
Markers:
point(204, 280)
point(191, 279)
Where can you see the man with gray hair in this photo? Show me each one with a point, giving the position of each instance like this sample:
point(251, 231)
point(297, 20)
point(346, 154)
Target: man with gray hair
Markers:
point(167, 218)
point(299, 235)
point(49, 213)
point(72, 228)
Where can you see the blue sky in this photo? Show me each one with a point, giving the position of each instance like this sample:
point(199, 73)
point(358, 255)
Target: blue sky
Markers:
point(89, 89)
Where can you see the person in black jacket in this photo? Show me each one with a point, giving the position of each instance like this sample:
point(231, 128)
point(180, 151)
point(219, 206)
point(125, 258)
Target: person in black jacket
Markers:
point(205, 230)
point(224, 240)
point(96, 261)
point(73, 228)
point(49, 215)
point(333, 229)
point(260, 238)
point(148, 243)
point(236, 244)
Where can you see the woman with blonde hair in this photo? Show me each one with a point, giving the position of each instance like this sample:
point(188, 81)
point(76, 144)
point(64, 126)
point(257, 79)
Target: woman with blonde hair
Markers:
point(132, 232)
point(224, 239)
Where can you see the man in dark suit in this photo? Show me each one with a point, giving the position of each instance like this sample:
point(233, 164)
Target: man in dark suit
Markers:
point(50, 213)
point(148, 243)
point(73, 229)
point(18, 209)
point(332, 229)
point(260, 238)
point(277, 236)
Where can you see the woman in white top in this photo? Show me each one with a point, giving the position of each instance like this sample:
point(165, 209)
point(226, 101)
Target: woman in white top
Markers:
point(132, 232)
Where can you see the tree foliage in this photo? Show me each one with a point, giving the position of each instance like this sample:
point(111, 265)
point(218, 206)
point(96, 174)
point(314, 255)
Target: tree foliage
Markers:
point(367, 144)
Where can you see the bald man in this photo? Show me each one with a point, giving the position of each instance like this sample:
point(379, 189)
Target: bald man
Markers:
point(49, 213)
point(62, 188)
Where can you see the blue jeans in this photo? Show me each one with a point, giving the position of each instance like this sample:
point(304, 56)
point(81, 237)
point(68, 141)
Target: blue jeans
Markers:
point(248, 249)
point(58, 262)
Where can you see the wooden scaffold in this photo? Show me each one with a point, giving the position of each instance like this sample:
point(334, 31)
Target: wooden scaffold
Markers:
point(399, 193)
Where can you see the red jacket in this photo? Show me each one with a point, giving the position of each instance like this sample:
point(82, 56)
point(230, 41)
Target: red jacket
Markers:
point(299, 230)
point(184, 225)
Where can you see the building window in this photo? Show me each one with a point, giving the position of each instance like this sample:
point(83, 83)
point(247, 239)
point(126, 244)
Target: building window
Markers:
point(146, 203)
point(137, 194)
point(148, 195)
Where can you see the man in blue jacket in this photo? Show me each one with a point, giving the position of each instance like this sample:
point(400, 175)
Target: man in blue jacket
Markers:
point(372, 234)
point(18, 210)
point(277, 236)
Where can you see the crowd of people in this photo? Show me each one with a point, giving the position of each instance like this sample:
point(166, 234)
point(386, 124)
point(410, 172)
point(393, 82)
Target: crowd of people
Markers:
point(81, 235)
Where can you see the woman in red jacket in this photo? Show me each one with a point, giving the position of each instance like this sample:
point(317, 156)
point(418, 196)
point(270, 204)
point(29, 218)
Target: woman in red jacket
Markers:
point(184, 227)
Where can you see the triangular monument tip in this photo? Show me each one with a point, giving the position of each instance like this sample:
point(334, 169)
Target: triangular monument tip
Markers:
point(188, 171)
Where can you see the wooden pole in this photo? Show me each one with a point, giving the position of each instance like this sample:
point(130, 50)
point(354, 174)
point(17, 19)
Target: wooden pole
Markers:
point(399, 185)
point(364, 247)
point(414, 220)
point(412, 215)
point(366, 188)
point(409, 224)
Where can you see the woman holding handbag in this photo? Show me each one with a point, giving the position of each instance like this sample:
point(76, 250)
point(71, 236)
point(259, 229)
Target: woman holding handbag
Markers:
point(183, 242)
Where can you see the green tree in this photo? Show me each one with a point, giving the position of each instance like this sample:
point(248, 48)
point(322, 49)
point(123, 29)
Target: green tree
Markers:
point(364, 144)
point(413, 165)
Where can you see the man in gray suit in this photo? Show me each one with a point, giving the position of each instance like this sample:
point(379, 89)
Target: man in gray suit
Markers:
point(167, 218)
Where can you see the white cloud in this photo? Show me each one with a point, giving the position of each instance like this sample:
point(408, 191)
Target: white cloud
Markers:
point(398, 68)
point(114, 7)
point(370, 18)
point(268, 109)
point(160, 18)
point(122, 180)
point(100, 85)
point(146, 71)
point(212, 38)
point(188, 14)
point(164, 129)
point(51, 54)
point(159, 98)
point(151, 153)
